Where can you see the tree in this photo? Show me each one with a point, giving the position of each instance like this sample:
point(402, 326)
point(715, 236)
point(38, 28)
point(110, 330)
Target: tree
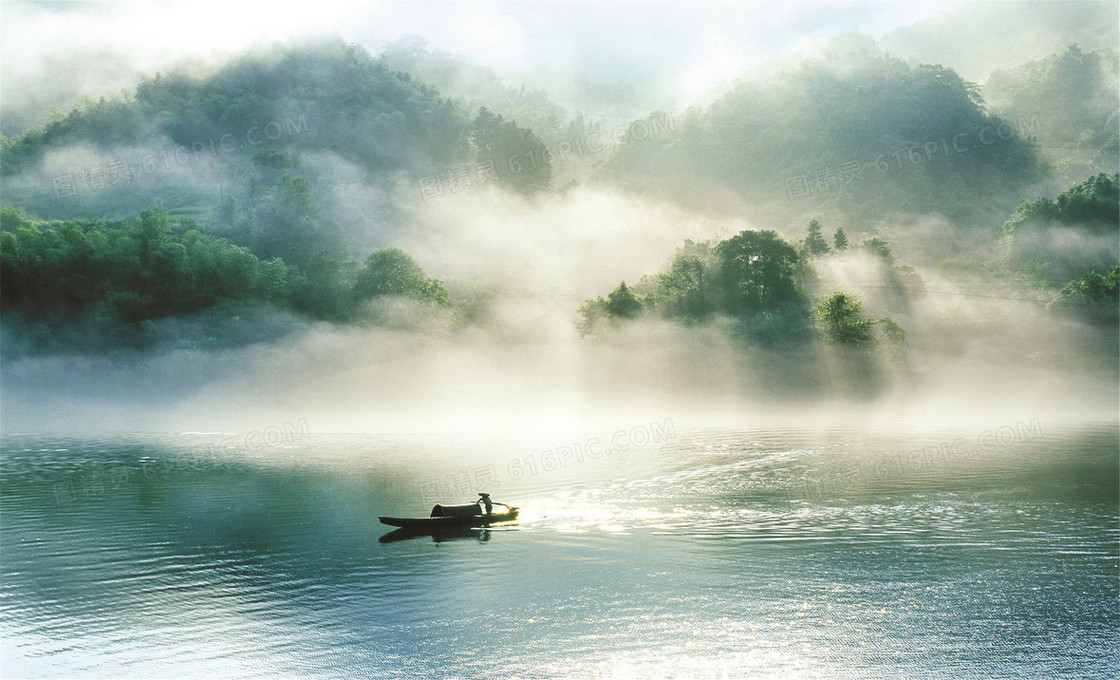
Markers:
point(622, 304)
point(516, 154)
point(133, 270)
point(1093, 204)
point(1038, 237)
point(759, 285)
point(840, 239)
point(392, 272)
point(814, 242)
point(153, 228)
point(110, 277)
point(319, 291)
point(685, 292)
point(842, 321)
point(895, 337)
point(879, 247)
point(12, 220)
point(754, 277)
point(758, 271)
point(1096, 294)
point(1096, 288)
point(288, 223)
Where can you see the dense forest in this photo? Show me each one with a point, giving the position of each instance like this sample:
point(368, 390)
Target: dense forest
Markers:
point(212, 197)
point(856, 133)
point(232, 135)
point(115, 278)
point(764, 283)
point(1071, 104)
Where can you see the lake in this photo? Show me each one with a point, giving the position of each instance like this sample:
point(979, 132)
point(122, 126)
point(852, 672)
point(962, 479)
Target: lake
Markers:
point(647, 549)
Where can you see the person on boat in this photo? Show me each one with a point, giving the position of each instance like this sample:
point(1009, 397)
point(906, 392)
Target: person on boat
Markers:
point(486, 502)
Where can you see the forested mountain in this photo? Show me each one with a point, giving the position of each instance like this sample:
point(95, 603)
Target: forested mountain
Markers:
point(351, 103)
point(256, 186)
point(864, 135)
point(185, 139)
point(977, 38)
point(1071, 103)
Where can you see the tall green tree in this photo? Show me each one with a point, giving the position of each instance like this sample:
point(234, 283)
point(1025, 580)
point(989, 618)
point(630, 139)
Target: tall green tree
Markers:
point(760, 284)
point(516, 154)
point(621, 303)
point(879, 247)
point(842, 321)
point(758, 271)
point(687, 291)
point(814, 242)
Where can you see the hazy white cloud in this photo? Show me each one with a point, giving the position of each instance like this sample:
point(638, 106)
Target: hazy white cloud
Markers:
point(630, 56)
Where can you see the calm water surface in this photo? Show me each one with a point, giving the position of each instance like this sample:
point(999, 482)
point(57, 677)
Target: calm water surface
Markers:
point(981, 553)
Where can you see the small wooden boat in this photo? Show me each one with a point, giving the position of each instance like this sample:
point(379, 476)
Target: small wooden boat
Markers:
point(455, 517)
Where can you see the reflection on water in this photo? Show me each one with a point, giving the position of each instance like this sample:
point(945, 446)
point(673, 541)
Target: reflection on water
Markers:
point(437, 536)
point(781, 553)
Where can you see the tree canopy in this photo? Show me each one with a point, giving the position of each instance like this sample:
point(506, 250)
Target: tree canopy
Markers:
point(149, 267)
point(814, 242)
point(515, 154)
point(754, 277)
point(1069, 101)
point(1093, 204)
point(392, 272)
point(841, 317)
point(865, 137)
point(1056, 240)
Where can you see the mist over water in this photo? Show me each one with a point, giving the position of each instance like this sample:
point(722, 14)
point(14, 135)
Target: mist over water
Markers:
point(791, 331)
point(974, 348)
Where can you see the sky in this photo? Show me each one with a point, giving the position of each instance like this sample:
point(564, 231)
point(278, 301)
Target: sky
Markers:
point(503, 35)
point(662, 55)
point(628, 57)
point(641, 56)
